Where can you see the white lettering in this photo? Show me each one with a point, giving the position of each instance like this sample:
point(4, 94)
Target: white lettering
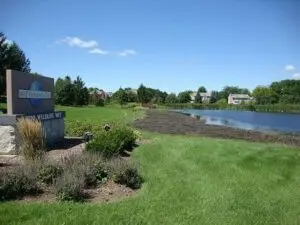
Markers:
point(34, 94)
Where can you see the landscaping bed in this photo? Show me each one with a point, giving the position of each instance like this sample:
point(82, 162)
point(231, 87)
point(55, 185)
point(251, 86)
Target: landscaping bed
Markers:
point(96, 171)
point(175, 123)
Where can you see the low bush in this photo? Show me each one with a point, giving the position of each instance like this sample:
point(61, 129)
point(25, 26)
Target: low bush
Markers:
point(18, 181)
point(126, 173)
point(113, 142)
point(94, 175)
point(49, 172)
point(70, 187)
point(78, 128)
point(130, 105)
point(32, 137)
point(99, 102)
point(89, 166)
point(138, 108)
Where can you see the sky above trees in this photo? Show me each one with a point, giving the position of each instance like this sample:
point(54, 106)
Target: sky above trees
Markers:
point(170, 45)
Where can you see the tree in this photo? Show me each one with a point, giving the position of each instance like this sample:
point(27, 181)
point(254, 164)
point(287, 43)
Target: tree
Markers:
point(198, 98)
point(121, 96)
point(184, 97)
point(144, 95)
point(64, 91)
point(81, 93)
point(202, 89)
point(11, 57)
point(171, 99)
point(215, 96)
point(264, 95)
point(71, 93)
point(227, 90)
point(286, 91)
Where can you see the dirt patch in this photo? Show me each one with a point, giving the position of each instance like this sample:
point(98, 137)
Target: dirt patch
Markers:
point(176, 123)
point(108, 192)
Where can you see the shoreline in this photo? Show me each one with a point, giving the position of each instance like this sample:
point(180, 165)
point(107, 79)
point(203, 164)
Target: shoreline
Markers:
point(175, 123)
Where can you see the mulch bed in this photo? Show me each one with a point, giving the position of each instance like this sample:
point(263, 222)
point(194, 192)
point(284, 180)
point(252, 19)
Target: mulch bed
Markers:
point(176, 123)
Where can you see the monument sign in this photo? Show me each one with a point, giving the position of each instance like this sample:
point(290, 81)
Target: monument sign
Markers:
point(30, 96)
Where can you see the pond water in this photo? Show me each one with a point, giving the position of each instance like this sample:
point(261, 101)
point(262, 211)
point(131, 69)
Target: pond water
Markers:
point(274, 122)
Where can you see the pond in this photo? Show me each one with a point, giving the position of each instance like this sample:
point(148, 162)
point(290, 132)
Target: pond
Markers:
point(274, 122)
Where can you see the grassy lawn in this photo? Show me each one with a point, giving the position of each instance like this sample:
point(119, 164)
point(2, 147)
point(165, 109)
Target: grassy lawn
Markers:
point(99, 114)
point(191, 181)
point(188, 180)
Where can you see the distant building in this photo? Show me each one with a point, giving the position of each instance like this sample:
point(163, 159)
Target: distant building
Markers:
point(97, 94)
point(238, 98)
point(205, 96)
point(193, 96)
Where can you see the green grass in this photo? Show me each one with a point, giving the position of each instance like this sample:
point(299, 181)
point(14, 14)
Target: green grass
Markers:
point(190, 180)
point(99, 114)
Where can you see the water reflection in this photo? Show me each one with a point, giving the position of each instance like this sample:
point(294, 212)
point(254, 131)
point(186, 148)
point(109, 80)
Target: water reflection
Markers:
point(274, 122)
point(230, 123)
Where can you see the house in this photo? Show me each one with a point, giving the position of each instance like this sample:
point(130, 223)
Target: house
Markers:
point(98, 94)
point(193, 96)
point(238, 98)
point(205, 96)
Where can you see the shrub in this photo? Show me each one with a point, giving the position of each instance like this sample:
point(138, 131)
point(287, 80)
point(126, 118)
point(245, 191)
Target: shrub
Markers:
point(99, 102)
point(126, 135)
point(105, 143)
point(138, 108)
point(89, 166)
point(130, 105)
point(48, 173)
point(78, 128)
point(125, 173)
point(94, 175)
point(69, 187)
point(18, 181)
point(113, 142)
point(32, 138)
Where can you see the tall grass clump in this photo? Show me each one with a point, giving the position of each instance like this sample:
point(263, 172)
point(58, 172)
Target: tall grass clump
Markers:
point(31, 134)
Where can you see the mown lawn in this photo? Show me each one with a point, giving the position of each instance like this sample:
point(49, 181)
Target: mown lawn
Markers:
point(190, 180)
point(99, 114)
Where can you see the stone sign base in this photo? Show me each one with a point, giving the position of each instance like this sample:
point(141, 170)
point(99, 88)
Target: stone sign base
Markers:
point(9, 140)
point(52, 124)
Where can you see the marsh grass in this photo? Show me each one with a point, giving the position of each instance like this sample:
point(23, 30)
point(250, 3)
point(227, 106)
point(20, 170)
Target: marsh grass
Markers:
point(32, 137)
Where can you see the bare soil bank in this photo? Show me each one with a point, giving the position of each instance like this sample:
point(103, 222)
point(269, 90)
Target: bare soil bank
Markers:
point(176, 123)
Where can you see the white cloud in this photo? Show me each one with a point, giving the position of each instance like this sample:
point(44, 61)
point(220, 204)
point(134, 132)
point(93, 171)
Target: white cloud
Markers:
point(77, 42)
point(289, 68)
point(98, 51)
point(296, 76)
point(127, 52)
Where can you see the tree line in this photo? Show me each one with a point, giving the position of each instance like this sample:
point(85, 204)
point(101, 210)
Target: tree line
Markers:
point(74, 92)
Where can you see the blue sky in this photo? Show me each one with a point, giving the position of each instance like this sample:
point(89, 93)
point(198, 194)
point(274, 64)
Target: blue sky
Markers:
point(167, 44)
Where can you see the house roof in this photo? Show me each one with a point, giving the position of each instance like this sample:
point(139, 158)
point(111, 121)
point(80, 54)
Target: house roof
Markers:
point(239, 96)
point(205, 94)
point(98, 92)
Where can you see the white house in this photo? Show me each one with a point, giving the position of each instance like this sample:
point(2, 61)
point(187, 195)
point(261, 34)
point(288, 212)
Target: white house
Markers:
point(238, 98)
point(205, 96)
